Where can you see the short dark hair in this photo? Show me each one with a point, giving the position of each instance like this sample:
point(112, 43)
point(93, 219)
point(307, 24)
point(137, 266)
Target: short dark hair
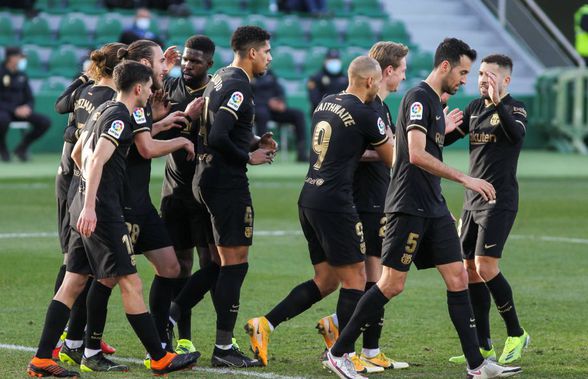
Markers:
point(247, 37)
point(451, 50)
point(138, 50)
point(500, 59)
point(201, 43)
point(127, 74)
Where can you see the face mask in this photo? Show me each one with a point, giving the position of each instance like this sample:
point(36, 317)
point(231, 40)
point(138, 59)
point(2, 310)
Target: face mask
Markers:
point(22, 64)
point(143, 23)
point(333, 66)
point(175, 72)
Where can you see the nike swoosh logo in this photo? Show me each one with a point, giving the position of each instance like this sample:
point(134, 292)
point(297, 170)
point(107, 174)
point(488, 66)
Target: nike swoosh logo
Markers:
point(486, 246)
point(437, 118)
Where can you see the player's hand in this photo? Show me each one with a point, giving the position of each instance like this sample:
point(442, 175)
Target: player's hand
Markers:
point(261, 156)
point(482, 187)
point(160, 105)
point(453, 119)
point(87, 222)
point(267, 141)
point(194, 109)
point(189, 147)
point(171, 55)
point(493, 88)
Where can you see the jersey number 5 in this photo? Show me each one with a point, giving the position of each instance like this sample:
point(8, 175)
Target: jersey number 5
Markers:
point(320, 142)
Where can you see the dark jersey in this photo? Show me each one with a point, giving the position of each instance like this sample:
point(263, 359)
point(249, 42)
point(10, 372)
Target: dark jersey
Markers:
point(110, 121)
point(496, 137)
point(343, 127)
point(179, 172)
point(223, 150)
point(413, 190)
point(371, 179)
point(137, 199)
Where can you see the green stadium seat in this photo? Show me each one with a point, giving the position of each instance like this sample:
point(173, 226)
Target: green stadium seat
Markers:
point(72, 30)
point(259, 7)
point(324, 33)
point(63, 62)
point(86, 6)
point(395, 31)
point(52, 6)
point(230, 7)
point(289, 32)
point(350, 54)
point(217, 63)
point(219, 31)
point(257, 20)
point(419, 64)
point(108, 29)
point(284, 66)
point(371, 8)
point(179, 30)
point(360, 33)
point(339, 8)
point(198, 7)
point(7, 33)
point(36, 31)
point(35, 69)
point(313, 61)
point(53, 84)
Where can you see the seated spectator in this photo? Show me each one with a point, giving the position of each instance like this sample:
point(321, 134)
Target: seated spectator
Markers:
point(17, 103)
point(140, 29)
point(270, 105)
point(329, 80)
point(316, 8)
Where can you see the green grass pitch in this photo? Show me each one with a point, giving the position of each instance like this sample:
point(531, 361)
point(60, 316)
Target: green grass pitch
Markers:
point(546, 262)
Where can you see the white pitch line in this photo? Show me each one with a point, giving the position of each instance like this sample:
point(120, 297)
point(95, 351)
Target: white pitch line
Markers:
point(216, 371)
point(280, 233)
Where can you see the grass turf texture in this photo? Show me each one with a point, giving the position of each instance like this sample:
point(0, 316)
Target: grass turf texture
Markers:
point(549, 276)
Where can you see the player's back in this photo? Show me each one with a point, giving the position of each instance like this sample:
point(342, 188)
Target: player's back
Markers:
point(343, 126)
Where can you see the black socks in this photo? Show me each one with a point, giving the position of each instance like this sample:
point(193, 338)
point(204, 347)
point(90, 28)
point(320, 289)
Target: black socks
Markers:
point(480, 297)
point(502, 294)
point(97, 306)
point(371, 336)
point(226, 300)
point(55, 321)
point(160, 297)
point(461, 314)
point(302, 297)
point(144, 328)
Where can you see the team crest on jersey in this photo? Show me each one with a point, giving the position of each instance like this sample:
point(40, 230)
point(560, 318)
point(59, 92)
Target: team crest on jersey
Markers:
point(381, 126)
point(235, 100)
point(116, 128)
point(139, 116)
point(416, 111)
point(495, 120)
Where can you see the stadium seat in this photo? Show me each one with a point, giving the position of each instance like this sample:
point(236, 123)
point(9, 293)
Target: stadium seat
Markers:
point(289, 32)
point(313, 61)
point(178, 30)
point(229, 7)
point(284, 66)
point(198, 7)
point(108, 29)
point(259, 7)
point(72, 30)
point(35, 67)
point(371, 8)
point(420, 63)
point(7, 33)
point(339, 8)
point(36, 31)
point(360, 33)
point(86, 6)
point(219, 31)
point(53, 84)
point(350, 54)
point(64, 62)
point(218, 62)
point(324, 33)
point(395, 31)
point(52, 6)
point(257, 20)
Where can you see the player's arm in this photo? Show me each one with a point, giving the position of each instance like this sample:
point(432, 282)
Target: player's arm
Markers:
point(418, 156)
point(76, 153)
point(152, 148)
point(86, 223)
point(513, 121)
point(66, 101)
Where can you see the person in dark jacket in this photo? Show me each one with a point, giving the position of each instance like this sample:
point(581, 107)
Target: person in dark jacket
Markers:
point(329, 80)
point(270, 105)
point(17, 103)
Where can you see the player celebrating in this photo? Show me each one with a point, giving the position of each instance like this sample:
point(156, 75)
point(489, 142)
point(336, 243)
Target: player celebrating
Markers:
point(343, 126)
point(496, 124)
point(370, 183)
point(419, 226)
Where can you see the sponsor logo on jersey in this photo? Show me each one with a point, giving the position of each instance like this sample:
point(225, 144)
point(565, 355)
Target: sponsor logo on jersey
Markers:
point(116, 128)
point(139, 116)
point(416, 111)
point(235, 101)
point(381, 126)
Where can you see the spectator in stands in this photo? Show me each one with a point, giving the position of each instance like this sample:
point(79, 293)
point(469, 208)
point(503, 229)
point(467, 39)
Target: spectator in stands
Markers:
point(16, 104)
point(140, 29)
point(270, 105)
point(329, 80)
point(27, 5)
point(313, 7)
point(581, 30)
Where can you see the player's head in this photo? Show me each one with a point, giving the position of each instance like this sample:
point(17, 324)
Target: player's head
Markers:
point(499, 66)
point(392, 59)
point(453, 61)
point(150, 54)
point(365, 75)
point(104, 60)
point(197, 59)
point(135, 80)
point(253, 43)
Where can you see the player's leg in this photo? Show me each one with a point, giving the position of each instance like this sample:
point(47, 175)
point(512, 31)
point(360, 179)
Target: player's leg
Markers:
point(41, 124)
